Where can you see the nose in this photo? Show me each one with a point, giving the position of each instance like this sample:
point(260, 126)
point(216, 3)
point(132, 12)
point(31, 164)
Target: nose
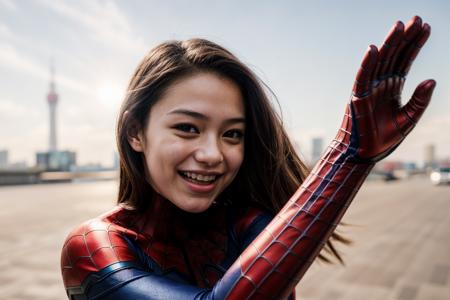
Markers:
point(209, 152)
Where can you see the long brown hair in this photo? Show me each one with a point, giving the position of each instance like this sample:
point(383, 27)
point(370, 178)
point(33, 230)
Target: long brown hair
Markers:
point(271, 171)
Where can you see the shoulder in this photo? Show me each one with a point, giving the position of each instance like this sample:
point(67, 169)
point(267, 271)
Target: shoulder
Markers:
point(94, 245)
point(249, 223)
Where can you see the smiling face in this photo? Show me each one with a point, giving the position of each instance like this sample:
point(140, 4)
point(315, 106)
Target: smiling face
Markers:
point(194, 140)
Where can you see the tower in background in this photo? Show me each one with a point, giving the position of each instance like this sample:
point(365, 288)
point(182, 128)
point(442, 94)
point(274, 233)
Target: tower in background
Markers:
point(52, 99)
point(54, 159)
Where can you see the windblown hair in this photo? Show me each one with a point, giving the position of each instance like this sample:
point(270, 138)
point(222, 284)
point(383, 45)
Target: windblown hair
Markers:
point(271, 171)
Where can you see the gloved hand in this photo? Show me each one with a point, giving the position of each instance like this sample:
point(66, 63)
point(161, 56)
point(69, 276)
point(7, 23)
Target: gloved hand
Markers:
point(375, 122)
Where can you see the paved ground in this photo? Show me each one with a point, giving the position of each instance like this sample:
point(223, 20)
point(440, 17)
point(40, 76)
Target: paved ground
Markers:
point(401, 249)
point(401, 233)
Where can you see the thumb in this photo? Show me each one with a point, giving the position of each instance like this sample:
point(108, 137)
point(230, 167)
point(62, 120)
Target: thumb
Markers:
point(419, 100)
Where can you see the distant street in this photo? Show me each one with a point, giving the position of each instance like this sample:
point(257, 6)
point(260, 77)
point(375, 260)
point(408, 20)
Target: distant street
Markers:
point(400, 232)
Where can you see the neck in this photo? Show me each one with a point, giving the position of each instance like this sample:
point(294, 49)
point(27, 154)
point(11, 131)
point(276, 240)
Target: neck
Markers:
point(164, 221)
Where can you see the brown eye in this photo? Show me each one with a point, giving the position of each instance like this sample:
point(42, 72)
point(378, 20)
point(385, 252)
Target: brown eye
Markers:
point(234, 134)
point(185, 127)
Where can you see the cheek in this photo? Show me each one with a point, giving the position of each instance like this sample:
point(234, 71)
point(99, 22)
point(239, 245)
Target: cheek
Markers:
point(161, 165)
point(165, 156)
point(235, 157)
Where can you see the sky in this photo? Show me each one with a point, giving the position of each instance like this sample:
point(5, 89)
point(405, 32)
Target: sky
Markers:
point(307, 52)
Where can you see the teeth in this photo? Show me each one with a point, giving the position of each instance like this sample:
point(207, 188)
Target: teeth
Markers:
point(200, 177)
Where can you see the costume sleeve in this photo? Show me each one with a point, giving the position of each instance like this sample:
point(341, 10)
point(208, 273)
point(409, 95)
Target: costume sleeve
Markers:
point(273, 264)
point(144, 285)
point(101, 260)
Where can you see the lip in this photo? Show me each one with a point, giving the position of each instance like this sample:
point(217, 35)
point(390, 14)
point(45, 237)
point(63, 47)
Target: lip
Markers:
point(197, 188)
point(203, 172)
point(201, 188)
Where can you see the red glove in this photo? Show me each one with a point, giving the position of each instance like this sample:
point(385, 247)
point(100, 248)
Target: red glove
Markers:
point(375, 123)
point(381, 121)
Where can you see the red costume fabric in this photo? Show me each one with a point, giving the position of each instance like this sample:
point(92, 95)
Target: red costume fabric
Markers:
point(235, 253)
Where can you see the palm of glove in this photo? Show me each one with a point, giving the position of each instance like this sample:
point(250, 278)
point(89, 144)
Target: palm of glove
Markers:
point(375, 122)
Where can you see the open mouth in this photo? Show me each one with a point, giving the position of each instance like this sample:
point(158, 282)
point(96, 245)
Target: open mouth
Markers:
point(198, 178)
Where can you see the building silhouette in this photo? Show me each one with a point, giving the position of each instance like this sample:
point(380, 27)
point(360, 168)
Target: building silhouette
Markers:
point(317, 149)
point(54, 159)
point(3, 159)
point(430, 157)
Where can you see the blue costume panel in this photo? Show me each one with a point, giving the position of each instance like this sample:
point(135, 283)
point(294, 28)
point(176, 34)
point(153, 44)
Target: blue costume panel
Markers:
point(110, 257)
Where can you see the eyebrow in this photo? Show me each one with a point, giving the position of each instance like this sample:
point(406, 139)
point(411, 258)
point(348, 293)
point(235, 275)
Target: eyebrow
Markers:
point(201, 116)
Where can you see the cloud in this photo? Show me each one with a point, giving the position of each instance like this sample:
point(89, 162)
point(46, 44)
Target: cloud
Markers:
point(8, 4)
point(103, 21)
point(11, 109)
point(11, 58)
point(5, 32)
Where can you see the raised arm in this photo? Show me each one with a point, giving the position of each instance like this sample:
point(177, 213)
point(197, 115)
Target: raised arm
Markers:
point(374, 124)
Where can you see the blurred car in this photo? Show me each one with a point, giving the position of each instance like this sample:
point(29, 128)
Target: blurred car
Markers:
point(440, 176)
point(382, 175)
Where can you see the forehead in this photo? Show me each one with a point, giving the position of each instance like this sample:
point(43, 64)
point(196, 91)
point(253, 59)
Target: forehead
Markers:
point(206, 93)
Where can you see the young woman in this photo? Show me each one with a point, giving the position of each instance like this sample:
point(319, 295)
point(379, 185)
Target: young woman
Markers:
point(213, 201)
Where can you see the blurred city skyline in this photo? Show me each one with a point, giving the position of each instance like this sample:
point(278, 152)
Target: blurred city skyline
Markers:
point(308, 54)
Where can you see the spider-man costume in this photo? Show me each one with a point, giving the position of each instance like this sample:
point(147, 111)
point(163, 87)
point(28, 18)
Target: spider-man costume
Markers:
point(232, 253)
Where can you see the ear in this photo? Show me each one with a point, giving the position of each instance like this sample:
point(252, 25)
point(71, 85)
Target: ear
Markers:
point(136, 143)
point(134, 134)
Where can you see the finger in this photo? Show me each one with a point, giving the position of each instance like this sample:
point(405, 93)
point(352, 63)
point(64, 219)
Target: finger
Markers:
point(414, 50)
point(391, 42)
point(368, 64)
point(413, 28)
point(413, 110)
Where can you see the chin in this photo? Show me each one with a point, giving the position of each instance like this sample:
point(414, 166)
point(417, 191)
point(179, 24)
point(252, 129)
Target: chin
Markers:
point(196, 207)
